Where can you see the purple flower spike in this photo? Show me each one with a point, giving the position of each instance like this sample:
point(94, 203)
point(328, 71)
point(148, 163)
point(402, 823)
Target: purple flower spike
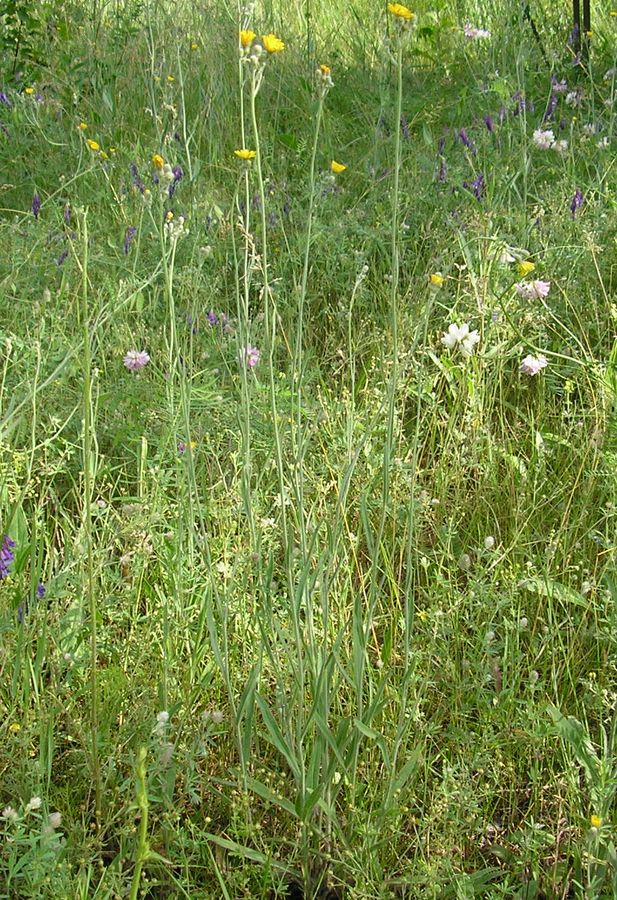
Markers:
point(62, 258)
point(4, 99)
point(212, 318)
point(6, 556)
point(178, 175)
point(488, 121)
point(131, 231)
point(550, 109)
point(464, 137)
point(477, 186)
point(577, 202)
point(137, 182)
point(40, 590)
point(36, 206)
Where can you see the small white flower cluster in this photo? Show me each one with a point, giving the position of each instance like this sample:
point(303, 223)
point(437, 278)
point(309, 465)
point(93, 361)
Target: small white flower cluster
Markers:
point(545, 140)
point(12, 816)
point(174, 228)
point(160, 728)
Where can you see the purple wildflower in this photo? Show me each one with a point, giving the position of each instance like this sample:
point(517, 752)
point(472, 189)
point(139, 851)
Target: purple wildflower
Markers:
point(4, 99)
point(573, 36)
point(250, 355)
point(477, 186)
point(40, 590)
point(551, 107)
point(488, 121)
point(131, 231)
point(136, 360)
point(36, 206)
point(6, 555)
point(178, 175)
point(576, 202)
point(464, 137)
point(62, 258)
point(212, 318)
point(137, 182)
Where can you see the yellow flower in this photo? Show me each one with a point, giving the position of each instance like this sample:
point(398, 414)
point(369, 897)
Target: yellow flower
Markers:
point(325, 70)
point(613, 13)
point(169, 215)
point(82, 126)
point(247, 37)
point(157, 161)
point(337, 167)
point(112, 150)
point(272, 43)
point(29, 90)
point(525, 267)
point(397, 9)
point(104, 155)
point(595, 821)
point(93, 145)
point(589, 34)
point(170, 78)
point(437, 279)
point(194, 46)
point(15, 728)
point(245, 154)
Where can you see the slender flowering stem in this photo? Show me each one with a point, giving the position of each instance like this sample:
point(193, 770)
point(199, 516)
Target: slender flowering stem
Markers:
point(89, 475)
point(300, 326)
point(270, 311)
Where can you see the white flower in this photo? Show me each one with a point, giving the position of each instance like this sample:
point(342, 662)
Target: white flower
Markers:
point(589, 128)
point(162, 719)
point(543, 140)
point(560, 146)
point(10, 814)
point(531, 365)
point(560, 87)
point(461, 337)
point(33, 803)
point(54, 819)
point(489, 542)
point(573, 98)
point(603, 142)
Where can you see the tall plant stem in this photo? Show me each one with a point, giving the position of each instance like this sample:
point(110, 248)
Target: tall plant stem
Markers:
point(89, 476)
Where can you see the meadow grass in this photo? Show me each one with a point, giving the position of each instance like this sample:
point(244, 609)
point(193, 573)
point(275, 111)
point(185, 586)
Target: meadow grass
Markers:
point(308, 452)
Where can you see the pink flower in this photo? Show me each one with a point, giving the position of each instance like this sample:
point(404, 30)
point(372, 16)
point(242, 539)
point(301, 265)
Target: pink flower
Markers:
point(531, 365)
point(533, 290)
point(136, 360)
point(250, 355)
point(475, 34)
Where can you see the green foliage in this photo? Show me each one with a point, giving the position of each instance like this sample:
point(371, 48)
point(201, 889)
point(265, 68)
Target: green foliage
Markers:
point(314, 600)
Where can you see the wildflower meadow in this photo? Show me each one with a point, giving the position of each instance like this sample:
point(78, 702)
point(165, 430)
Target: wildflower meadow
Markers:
point(308, 450)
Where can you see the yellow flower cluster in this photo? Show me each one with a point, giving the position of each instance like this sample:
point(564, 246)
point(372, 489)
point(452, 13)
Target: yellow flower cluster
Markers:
point(271, 43)
point(525, 267)
point(400, 11)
